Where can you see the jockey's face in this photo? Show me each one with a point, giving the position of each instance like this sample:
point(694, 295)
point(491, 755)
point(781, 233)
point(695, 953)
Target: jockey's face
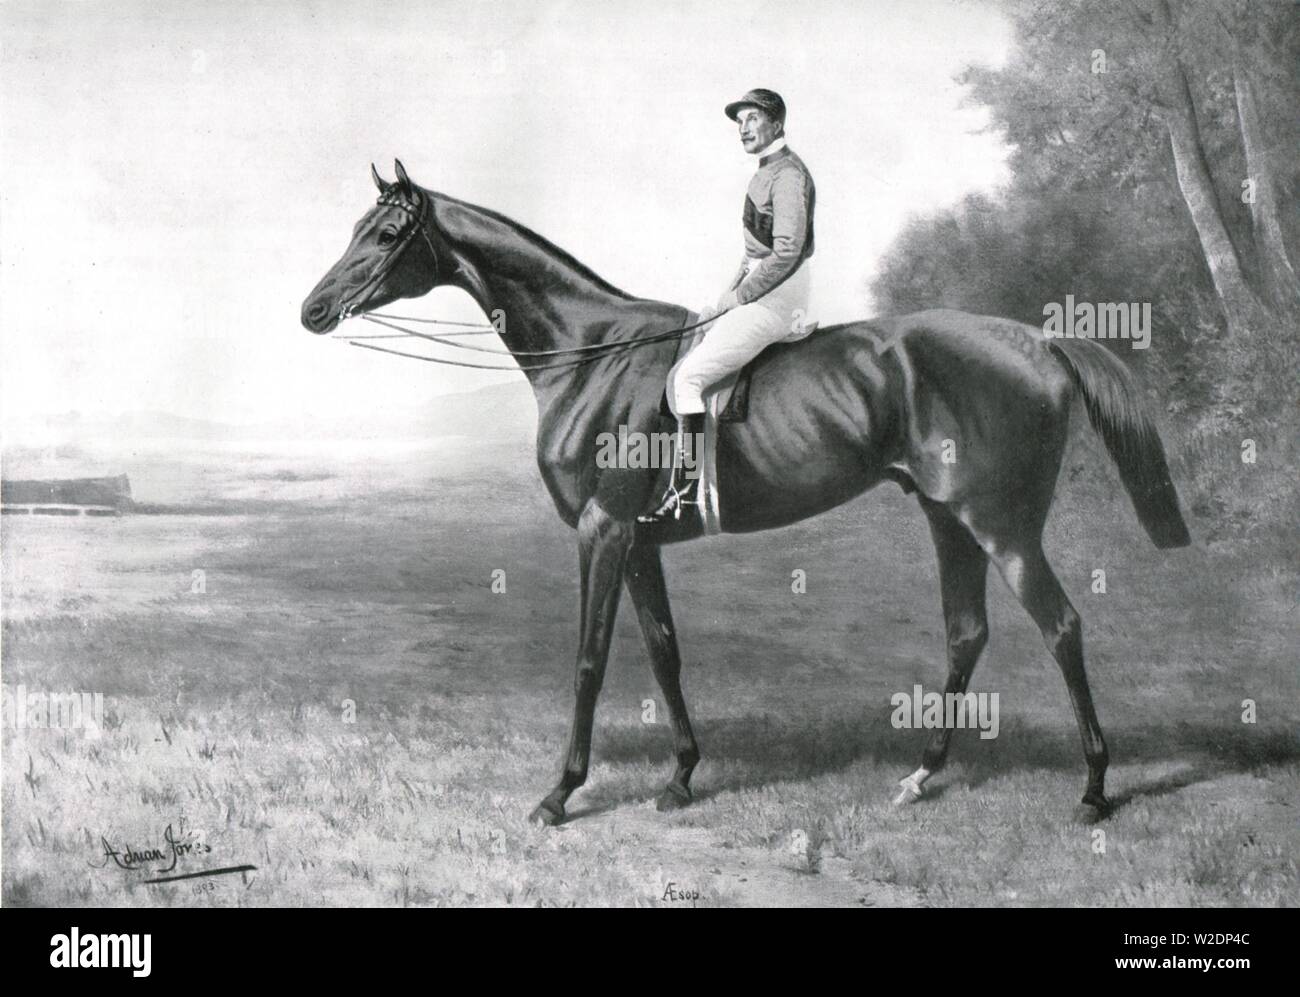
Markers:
point(757, 129)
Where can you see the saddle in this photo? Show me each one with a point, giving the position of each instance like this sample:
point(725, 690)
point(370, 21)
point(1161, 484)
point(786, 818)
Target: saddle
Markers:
point(730, 399)
point(728, 402)
point(732, 393)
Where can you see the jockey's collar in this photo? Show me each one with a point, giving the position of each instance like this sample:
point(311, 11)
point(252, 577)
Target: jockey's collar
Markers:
point(774, 149)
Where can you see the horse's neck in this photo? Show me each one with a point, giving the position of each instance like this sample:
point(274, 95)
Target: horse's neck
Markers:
point(538, 297)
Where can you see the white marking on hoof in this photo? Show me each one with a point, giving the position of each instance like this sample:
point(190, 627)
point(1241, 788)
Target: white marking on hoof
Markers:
point(911, 789)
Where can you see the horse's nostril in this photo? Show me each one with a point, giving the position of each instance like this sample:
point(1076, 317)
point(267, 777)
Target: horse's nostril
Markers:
point(316, 314)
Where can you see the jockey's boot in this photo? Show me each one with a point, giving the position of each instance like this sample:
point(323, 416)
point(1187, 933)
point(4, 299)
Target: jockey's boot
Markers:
point(683, 489)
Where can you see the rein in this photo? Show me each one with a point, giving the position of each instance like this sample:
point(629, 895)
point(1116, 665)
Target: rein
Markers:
point(581, 354)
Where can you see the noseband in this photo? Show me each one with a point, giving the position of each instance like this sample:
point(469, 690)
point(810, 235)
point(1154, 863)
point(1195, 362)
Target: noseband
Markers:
point(391, 200)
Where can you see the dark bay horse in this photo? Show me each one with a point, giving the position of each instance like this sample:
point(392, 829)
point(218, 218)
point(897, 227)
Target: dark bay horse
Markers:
point(970, 412)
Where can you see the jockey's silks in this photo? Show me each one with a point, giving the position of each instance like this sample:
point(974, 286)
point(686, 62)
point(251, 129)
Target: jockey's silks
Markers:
point(778, 221)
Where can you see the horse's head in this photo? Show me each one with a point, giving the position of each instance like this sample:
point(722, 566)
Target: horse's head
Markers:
point(391, 256)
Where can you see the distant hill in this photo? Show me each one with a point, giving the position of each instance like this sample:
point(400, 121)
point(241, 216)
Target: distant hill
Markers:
point(112, 493)
point(60, 428)
point(497, 413)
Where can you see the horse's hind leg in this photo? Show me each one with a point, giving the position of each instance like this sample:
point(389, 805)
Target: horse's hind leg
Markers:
point(1024, 567)
point(963, 572)
point(1033, 580)
point(645, 582)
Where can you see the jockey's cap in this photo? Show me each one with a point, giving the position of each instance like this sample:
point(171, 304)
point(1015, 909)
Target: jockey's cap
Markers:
point(765, 100)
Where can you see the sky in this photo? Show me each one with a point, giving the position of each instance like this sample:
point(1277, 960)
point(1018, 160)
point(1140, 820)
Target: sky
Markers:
point(175, 177)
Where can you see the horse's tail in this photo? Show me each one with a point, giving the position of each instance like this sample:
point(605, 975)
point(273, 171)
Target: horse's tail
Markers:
point(1119, 418)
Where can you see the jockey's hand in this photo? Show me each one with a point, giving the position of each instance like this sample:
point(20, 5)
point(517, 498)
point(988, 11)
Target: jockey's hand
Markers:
point(726, 303)
point(707, 312)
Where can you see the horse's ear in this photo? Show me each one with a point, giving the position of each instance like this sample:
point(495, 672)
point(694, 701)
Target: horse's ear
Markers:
point(380, 182)
point(402, 178)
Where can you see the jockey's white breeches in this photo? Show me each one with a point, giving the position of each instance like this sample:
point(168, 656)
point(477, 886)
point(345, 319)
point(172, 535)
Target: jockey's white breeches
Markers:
point(737, 337)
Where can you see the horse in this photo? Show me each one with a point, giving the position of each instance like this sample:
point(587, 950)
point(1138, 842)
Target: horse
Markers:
point(968, 412)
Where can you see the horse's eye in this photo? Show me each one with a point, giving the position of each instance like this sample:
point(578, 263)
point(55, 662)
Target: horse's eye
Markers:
point(387, 238)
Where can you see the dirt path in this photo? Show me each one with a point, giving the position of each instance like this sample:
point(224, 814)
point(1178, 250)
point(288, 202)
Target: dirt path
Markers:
point(745, 877)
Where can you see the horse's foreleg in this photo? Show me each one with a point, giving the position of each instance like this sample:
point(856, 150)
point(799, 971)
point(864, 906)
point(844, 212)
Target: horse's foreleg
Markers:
point(645, 583)
point(963, 572)
point(603, 544)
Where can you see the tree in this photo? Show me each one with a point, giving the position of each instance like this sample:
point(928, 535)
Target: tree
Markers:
point(1151, 108)
point(1262, 25)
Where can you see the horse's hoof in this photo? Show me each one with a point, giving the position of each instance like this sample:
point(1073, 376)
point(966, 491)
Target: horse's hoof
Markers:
point(1093, 810)
point(546, 815)
point(909, 792)
point(673, 798)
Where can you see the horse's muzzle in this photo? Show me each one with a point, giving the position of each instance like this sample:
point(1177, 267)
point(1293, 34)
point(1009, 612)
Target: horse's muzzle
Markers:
point(319, 315)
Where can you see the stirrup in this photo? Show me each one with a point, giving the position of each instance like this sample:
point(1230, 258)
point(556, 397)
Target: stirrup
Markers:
point(673, 503)
point(675, 498)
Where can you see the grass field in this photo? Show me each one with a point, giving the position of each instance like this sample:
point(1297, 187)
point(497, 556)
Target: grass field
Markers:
point(333, 577)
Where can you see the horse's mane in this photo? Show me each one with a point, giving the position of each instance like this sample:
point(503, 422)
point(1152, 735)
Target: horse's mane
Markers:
point(538, 242)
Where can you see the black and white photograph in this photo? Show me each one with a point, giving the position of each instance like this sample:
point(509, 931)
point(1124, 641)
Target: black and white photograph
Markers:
point(667, 455)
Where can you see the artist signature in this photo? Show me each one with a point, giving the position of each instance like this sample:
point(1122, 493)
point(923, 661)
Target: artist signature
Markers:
point(138, 858)
point(162, 861)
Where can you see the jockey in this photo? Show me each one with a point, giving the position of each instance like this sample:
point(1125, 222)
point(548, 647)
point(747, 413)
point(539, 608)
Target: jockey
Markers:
point(766, 300)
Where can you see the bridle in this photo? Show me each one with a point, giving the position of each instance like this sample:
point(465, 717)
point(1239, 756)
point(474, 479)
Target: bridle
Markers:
point(574, 356)
point(421, 214)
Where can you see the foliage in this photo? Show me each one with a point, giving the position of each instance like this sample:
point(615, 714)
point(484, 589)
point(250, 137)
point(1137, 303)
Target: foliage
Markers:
point(1094, 208)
